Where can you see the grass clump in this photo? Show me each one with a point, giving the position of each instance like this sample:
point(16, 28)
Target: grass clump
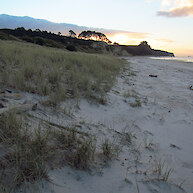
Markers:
point(127, 137)
point(136, 104)
point(46, 71)
point(162, 171)
point(84, 154)
point(31, 152)
point(26, 164)
point(27, 152)
point(10, 127)
point(76, 150)
point(109, 149)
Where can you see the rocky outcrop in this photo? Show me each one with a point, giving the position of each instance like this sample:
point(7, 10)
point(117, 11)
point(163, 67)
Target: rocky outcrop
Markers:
point(142, 49)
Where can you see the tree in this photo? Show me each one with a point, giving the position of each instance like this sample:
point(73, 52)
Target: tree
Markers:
point(144, 44)
point(115, 43)
point(38, 30)
point(72, 33)
point(20, 29)
point(92, 35)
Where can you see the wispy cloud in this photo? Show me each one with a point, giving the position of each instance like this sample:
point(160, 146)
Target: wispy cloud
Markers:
point(177, 12)
point(164, 40)
point(175, 8)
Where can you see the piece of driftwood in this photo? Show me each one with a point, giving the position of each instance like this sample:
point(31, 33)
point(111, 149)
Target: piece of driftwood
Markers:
point(15, 96)
point(57, 125)
point(2, 105)
point(155, 76)
point(175, 146)
point(18, 109)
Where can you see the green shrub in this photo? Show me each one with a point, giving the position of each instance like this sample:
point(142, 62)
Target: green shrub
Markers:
point(109, 149)
point(71, 48)
point(10, 127)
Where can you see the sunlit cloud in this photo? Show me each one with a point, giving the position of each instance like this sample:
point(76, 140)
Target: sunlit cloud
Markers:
point(164, 40)
point(176, 8)
point(177, 12)
point(166, 3)
point(134, 38)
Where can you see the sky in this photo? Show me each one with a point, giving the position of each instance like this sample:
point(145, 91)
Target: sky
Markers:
point(165, 24)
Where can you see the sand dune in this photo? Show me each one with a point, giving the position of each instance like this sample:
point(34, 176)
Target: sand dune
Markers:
point(149, 118)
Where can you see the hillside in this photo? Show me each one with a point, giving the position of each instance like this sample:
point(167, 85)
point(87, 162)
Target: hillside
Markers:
point(12, 22)
point(90, 46)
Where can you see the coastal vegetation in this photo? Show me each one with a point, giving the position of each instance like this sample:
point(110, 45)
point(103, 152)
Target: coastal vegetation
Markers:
point(92, 35)
point(29, 151)
point(86, 41)
point(57, 73)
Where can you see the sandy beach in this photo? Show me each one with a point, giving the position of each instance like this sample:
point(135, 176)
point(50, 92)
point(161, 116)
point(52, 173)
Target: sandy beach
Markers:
point(96, 97)
point(157, 112)
point(148, 120)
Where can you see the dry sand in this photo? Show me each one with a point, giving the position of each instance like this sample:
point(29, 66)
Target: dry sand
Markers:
point(161, 128)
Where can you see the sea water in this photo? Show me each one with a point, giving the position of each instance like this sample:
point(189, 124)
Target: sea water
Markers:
point(177, 58)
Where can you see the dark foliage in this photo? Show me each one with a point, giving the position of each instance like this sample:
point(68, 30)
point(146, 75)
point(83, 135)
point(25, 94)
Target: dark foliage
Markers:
point(94, 35)
point(83, 43)
point(40, 41)
point(72, 33)
point(71, 48)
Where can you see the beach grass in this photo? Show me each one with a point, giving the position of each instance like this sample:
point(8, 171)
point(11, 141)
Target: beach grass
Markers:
point(57, 73)
point(28, 153)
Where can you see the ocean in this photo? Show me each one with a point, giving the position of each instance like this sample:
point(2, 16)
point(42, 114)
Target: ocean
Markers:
point(188, 59)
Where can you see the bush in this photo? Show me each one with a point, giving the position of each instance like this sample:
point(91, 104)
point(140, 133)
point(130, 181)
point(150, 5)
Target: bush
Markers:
point(109, 149)
point(71, 48)
point(40, 41)
point(10, 127)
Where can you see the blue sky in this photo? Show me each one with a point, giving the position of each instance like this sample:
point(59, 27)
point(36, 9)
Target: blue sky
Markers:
point(165, 24)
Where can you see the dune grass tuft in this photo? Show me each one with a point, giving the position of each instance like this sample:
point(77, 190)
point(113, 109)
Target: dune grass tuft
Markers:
point(29, 153)
point(109, 149)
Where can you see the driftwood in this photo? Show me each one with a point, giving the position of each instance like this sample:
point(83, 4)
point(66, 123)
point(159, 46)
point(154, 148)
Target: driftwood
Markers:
point(175, 146)
point(15, 96)
point(57, 125)
point(18, 109)
point(155, 76)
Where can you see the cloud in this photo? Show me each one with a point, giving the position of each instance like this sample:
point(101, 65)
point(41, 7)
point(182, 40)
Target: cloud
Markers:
point(175, 8)
point(177, 12)
point(164, 40)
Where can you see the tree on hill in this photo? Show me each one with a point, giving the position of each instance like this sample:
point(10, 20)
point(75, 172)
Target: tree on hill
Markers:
point(72, 33)
point(20, 29)
point(144, 43)
point(38, 30)
point(92, 35)
point(115, 43)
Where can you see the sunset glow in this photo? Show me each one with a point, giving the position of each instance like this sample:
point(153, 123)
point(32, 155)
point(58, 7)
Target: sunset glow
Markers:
point(165, 24)
point(119, 38)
